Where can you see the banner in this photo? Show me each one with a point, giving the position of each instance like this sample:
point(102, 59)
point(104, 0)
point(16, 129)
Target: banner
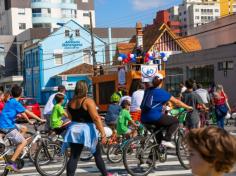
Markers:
point(148, 72)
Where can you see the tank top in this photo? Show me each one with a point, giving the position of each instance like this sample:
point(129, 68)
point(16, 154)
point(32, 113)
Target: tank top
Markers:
point(80, 115)
point(221, 99)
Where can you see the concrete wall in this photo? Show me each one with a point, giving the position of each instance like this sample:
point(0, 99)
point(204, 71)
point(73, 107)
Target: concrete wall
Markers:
point(219, 32)
point(210, 57)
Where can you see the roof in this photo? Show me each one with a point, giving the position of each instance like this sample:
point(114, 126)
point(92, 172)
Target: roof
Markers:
point(79, 69)
point(191, 43)
point(125, 48)
point(153, 33)
point(115, 32)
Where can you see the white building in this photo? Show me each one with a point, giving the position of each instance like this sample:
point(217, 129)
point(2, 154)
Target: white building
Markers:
point(193, 13)
point(18, 15)
point(15, 16)
point(174, 13)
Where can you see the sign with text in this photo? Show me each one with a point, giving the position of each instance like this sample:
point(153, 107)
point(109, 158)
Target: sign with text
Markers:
point(72, 44)
point(148, 72)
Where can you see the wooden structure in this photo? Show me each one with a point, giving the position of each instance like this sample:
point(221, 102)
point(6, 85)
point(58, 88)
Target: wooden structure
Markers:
point(105, 85)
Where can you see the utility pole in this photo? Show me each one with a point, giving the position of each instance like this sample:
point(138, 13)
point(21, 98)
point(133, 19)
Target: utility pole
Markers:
point(92, 41)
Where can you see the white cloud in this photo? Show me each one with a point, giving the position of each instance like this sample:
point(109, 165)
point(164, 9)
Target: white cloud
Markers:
point(142, 5)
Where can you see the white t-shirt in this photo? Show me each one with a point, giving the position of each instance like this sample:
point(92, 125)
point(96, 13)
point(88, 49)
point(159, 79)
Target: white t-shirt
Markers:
point(49, 106)
point(204, 95)
point(136, 100)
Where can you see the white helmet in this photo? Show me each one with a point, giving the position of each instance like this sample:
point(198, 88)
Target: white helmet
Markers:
point(234, 115)
point(228, 115)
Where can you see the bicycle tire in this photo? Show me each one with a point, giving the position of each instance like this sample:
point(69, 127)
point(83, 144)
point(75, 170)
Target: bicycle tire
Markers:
point(86, 155)
point(50, 150)
point(114, 150)
point(134, 147)
point(182, 147)
point(104, 148)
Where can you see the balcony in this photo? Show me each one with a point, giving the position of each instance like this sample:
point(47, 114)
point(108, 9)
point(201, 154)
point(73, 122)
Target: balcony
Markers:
point(68, 15)
point(51, 4)
point(40, 15)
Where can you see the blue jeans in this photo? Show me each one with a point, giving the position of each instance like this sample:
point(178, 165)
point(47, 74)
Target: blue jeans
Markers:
point(220, 122)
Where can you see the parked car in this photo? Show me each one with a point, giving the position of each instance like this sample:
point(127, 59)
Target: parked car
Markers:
point(31, 104)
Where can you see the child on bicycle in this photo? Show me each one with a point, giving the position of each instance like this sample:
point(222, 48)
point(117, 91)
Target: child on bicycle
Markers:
point(124, 119)
point(59, 118)
point(113, 113)
point(8, 126)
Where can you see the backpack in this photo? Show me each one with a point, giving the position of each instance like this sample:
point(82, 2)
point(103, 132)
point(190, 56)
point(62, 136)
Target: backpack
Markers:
point(146, 104)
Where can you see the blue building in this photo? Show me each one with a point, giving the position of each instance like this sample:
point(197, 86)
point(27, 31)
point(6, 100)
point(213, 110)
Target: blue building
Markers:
point(63, 50)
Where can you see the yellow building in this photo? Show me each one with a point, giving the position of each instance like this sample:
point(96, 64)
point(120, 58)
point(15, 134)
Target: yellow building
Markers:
point(227, 7)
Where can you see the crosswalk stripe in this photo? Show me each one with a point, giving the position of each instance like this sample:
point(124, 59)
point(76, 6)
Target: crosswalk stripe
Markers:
point(89, 167)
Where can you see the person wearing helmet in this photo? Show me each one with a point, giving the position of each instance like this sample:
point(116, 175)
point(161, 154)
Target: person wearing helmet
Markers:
point(113, 112)
point(151, 110)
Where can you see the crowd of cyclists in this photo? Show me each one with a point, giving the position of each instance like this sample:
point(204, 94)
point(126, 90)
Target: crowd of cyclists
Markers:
point(150, 104)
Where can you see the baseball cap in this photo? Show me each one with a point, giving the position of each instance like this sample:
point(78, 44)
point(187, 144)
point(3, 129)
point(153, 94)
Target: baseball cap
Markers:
point(159, 76)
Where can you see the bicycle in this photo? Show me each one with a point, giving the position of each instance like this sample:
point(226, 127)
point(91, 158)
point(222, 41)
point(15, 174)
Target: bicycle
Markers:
point(7, 148)
point(148, 148)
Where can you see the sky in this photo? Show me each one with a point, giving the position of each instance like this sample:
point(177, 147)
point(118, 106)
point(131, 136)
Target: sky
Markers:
point(125, 13)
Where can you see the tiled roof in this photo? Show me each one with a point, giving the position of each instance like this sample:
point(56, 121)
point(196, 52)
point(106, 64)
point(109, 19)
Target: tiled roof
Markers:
point(191, 43)
point(152, 33)
point(125, 48)
point(79, 69)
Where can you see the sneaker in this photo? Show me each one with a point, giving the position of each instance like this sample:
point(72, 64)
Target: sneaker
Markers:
point(168, 144)
point(112, 174)
point(12, 167)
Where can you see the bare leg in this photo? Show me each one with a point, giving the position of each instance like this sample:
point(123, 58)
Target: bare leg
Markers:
point(19, 149)
point(23, 130)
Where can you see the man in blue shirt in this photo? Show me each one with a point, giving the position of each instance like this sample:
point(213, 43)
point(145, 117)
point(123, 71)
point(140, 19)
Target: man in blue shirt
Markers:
point(155, 115)
point(7, 123)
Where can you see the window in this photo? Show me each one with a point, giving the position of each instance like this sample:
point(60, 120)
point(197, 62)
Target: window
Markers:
point(87, 26)
point(21, 11)
point(42, 25)
point(86, 14)
point(196, 10)
point(104, 96)
point(22, 26)
point(202, 74)
point(77, 32)
point(226, 65)
point(87, 56)
point(216, 10)
point(184, 12)
point(36, 10)
point(196, 17)
point(58, 58)
point(67, 33)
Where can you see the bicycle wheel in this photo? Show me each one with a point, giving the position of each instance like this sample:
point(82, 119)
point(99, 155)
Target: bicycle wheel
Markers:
point(114, 153)
point(3, 161)
point(86, 154)
point(139, 156)
point(49, 160)
point(182, 152)
point(104, 148)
